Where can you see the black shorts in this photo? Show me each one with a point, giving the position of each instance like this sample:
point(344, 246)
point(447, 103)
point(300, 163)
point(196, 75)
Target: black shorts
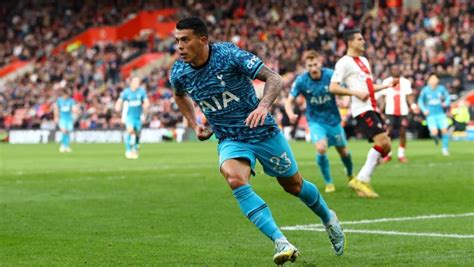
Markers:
point(370, 123)
point(397, 121)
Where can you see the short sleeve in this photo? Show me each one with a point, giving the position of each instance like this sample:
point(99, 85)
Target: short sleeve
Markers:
point(123, 95)
point(144, 96)
point(174, 80)
point(408, 89)
point(385, 82)
point(246, 62)
point(339, 72)
point(296, 87)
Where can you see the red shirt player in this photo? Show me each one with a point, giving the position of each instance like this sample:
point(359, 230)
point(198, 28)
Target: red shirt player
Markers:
point(353, 70)
point(396, 109)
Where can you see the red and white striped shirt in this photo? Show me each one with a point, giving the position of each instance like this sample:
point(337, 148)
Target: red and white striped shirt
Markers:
point(396, 97)
point(355, 73)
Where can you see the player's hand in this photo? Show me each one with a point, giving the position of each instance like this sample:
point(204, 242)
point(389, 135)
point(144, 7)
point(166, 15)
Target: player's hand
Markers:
point(257, 117)
point(395, 82)
point(362, 95)
point(426, 113)
point(293, 118)
point(203, 133)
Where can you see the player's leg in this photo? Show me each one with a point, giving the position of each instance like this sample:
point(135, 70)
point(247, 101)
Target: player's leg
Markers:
point(319, 138)
point(67, 141)
point(237, 162)
point(403, 140)
point(346, 159)
point(278, 160)
point(443, 125)
point(127, 139)
point(337, 138)
point(433, 127)
point(308, 193)
point(63, 129)
point(137, 130)
point(382, 146)
point(390, 122)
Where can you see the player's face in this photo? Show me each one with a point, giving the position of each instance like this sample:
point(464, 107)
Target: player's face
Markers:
point(395, 70)
point(433, 81)
point(134, 83)
point(358, 43)
point(190, 46)
point(313, 66)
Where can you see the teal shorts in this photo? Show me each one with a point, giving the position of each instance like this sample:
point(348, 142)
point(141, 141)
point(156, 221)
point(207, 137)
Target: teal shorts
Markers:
point(135, 124)
point(274, 154)
point(334, 134)
point(438, 121)
point(67, 125)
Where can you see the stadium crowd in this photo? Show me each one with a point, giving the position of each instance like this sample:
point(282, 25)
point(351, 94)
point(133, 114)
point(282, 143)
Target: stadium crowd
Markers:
point(434, 38)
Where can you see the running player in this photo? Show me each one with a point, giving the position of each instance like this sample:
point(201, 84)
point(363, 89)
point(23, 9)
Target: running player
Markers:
point(433, 100)
point(353, 70)
point(322, 113)
point(218, 78)
point(396, 109)
point(64, 112)
point(137, 105)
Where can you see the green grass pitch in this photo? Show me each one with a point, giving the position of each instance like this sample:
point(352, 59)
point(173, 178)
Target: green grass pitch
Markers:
point(171, 207)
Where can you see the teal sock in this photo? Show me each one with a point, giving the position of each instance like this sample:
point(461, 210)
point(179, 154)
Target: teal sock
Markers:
point(347, 161)
point(445, 141)
point(126, 140)
point(137, 141)
point(323, 163)
point(63, 139)
point(312, 198)
point(66, 140)
point(257, 211)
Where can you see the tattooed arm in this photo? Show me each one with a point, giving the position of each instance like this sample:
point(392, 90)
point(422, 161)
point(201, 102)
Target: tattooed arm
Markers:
point(271, 91)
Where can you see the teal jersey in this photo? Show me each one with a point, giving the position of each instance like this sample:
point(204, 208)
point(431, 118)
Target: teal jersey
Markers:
point(134, 101)
point(223, 89)
point(65, 108)
point(431, 100)
point(321, 105)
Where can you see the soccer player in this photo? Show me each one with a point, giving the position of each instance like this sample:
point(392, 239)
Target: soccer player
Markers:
point(218, 78)
point(64, 112)
point(433, 99)
point(396, 109)
point(137, 105)
point(322, 113)
point(353, 70)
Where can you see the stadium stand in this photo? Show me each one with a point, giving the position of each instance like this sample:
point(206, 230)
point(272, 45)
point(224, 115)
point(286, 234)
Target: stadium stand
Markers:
point(420, 40)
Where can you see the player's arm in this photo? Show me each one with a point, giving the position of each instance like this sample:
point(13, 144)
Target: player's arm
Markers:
point(75, 111)
point(186, 106)
point(56, 113)
point(382, 103)
point(379, 87)
point(272, 89)
point(421, 103)
point(447, 98)
point(337, 89)
point(118, 105)
point(289, 104)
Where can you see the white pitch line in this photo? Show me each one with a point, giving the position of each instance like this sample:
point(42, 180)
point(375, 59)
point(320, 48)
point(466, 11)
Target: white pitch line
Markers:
point(379, 232)
point(414, 218)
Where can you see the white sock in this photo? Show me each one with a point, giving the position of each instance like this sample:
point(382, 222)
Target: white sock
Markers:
point(365, 173)
point(401, 152)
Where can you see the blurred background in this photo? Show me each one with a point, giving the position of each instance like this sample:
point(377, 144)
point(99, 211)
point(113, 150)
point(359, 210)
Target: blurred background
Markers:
point(92, 47)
